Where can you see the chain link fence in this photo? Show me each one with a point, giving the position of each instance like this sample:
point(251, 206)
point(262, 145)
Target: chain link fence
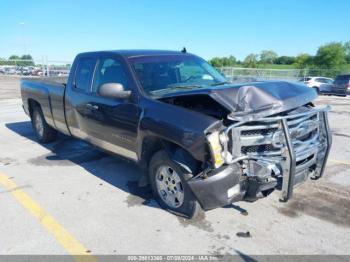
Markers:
point(41, 67)
point(45, 67)
point(235, 74)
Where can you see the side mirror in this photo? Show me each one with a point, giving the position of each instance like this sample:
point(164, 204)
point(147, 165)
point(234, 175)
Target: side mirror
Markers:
point(113, 90)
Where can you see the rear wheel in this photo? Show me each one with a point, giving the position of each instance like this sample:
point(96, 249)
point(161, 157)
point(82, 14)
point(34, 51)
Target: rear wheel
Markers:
point(170, 188)
point(43, 131)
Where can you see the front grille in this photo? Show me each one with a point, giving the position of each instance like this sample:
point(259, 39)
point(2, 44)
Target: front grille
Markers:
point(257, 138)
point(291, 146)
point(257, 149)
point(263, 132)
point(265, 138)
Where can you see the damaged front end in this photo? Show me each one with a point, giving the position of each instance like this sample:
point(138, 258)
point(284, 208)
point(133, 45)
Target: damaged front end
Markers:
point(261, 155)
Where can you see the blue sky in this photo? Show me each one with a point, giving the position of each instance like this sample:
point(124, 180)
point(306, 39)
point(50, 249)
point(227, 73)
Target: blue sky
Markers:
point(61, 29)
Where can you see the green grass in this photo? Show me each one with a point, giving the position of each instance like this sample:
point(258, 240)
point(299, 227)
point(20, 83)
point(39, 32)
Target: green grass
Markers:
point(273, 66)
point(277, 66)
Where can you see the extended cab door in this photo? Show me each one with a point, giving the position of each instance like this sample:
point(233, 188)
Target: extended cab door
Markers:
point(109, 123)
point(78, 96)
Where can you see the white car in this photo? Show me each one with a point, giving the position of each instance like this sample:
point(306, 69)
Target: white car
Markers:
point(320, 84)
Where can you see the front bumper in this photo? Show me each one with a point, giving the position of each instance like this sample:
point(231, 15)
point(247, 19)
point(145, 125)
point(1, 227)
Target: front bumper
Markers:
point(212, 189)
point(298, 161)
point(226, 185)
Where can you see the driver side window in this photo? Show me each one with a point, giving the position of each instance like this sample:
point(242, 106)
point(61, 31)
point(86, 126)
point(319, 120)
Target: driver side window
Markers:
point(109, 70)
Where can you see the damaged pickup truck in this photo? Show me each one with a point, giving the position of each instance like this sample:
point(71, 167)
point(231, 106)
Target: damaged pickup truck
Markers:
point(203, 142)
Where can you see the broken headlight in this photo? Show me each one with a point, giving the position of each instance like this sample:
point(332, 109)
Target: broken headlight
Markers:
point(215, 148)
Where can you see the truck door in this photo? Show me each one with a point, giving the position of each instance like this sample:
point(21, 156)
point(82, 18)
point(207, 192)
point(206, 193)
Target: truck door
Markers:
point(113, 122)
point(78, 96)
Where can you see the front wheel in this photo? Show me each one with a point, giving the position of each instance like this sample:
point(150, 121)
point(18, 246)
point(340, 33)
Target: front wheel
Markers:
point(43, 131)
point(170, 188)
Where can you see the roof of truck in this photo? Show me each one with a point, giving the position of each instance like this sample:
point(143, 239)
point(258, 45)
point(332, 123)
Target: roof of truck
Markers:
point(137, 52)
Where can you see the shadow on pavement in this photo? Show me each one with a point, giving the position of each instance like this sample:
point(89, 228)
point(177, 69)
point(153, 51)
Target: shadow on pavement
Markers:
point(65, 151)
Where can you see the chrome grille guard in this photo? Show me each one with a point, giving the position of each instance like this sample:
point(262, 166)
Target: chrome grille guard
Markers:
point(290, 151)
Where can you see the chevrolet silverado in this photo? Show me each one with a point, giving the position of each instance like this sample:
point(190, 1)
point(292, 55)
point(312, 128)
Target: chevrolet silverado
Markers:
point(203, 142)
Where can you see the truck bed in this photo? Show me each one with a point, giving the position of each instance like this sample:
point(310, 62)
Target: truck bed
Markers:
point(60, 80)
point(49, 93)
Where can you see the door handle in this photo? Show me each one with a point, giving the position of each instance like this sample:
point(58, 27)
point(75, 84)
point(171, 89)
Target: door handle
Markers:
point(91, 107)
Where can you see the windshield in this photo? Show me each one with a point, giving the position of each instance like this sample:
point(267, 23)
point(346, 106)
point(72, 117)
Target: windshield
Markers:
point(173, 73)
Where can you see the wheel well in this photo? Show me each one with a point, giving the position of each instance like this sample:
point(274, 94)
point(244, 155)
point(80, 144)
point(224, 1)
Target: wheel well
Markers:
point(31, 104)
point(151, 145)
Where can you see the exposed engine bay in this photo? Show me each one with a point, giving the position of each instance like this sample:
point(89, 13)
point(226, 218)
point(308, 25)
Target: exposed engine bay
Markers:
point(199, 103)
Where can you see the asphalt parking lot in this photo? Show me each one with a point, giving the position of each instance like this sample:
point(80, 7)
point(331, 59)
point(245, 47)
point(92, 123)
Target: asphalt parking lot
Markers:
point(67, 197)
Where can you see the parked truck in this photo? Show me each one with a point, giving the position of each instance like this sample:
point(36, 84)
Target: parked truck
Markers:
point(203, 142)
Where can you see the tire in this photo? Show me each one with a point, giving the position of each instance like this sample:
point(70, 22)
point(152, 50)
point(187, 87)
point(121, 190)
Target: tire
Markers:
point(43, 131)
point(170, 188)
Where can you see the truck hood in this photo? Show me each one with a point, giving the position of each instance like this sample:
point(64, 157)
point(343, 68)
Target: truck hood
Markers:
point(251, 101)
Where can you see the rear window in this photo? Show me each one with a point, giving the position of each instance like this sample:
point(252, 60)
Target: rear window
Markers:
point(342, 79)
point(324, 80)
point(84, 73)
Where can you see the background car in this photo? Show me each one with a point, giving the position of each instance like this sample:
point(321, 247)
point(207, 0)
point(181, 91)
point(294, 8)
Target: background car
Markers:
point(25, 71)
point(36, 72)
point(10, 70)
point(322, 85)
point(341, 85)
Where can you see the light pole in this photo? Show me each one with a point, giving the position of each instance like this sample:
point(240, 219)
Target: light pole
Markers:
point(23, 38)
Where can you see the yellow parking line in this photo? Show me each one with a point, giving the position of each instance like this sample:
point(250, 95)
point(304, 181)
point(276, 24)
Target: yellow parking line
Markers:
point(339, 161)
point(69, 243)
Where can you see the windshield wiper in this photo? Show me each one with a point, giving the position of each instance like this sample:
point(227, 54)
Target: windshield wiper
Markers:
point(182, 86)
point(173, 87)
point(220, 83)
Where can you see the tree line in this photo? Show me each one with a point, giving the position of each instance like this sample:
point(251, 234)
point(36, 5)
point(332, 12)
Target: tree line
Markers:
point(16, 60)
point(334, 55)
